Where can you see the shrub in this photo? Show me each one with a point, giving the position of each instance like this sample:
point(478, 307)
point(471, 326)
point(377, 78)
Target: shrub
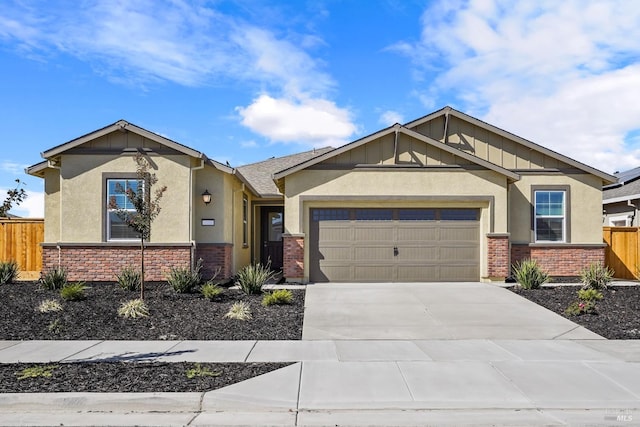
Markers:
point(281, 296)
point(596, 276)
point(201, 371)
point(9, 271)
point(73, 291)
point(133, 309)
point(54, 279)
point(185, 280)
point(581, 307)
point(239, 310)
point(252, 277)
point(589, 295)
point(49, 305)
point(37, 371)
point(529, 275)
point(211, 291)
point(129, 279)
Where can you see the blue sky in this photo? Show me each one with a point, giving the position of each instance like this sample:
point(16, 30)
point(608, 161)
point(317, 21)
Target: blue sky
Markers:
point(246, 80)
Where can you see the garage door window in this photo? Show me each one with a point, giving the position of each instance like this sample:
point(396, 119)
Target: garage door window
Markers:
point(459, 214)
point(330, 214)
point(417, 214)
point(374, 214)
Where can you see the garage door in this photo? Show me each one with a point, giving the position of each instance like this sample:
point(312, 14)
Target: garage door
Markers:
point(398, 245)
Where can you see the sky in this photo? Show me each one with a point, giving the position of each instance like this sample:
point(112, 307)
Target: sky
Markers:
point(243, 81)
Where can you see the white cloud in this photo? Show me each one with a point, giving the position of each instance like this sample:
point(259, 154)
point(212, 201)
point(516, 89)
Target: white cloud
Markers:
point(12, 167)
point(249, 144)
point(315, 122)
point(563, 74)
point(31, 207)
point(390, 117)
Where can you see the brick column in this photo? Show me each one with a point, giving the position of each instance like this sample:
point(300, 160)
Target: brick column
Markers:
point(293, 257)
point(561, 259)
point(498, 256)
point(214, 256)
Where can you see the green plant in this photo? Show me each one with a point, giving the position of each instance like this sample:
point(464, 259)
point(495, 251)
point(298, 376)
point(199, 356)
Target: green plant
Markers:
point(211, 291)
point(251, 278)
point(581, 307)
point(529, 275)
point(280, 296)
point(14, 196)
point(36, 371)
point(184, 279)
point(73, 291)
point(201, 371)
point(54, 326)
point(589, 295)
point(133, 309)
point(9, 271)
point(129, 279)
point(596, 276)
point(49, 305)
point(239, 310)
point(54, 279)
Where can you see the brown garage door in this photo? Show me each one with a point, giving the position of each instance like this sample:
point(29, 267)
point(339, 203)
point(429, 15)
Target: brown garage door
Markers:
point(398, 245)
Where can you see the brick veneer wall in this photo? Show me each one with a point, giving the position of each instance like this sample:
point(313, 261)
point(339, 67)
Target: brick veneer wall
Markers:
point(214, 256)
point(565, 260)
point(293, 257)
point(102, 262)
point(499, 260)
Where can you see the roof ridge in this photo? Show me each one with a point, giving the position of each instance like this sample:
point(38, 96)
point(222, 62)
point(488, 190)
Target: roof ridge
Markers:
point(287, 155)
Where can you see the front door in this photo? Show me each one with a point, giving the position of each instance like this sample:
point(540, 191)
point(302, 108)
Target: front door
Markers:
point(272, 226)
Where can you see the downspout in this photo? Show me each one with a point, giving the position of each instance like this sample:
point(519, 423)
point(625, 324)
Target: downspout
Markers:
point(52, 165)
point(191, 236)
point(635, 211)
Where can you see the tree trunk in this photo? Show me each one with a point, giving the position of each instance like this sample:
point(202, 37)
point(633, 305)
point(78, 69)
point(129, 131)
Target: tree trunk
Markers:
point(142, 268)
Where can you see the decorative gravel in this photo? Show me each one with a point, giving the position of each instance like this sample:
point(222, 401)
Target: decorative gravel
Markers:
point(173, 316)
point(617, 316)
point(129, 376)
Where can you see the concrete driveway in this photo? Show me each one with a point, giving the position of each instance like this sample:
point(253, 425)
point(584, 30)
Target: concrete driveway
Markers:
point(429, 311)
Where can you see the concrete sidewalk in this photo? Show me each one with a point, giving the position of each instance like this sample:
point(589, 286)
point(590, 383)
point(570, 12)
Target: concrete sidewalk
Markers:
point(419, 382)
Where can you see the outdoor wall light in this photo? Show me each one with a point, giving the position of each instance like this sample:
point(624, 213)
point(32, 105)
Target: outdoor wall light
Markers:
point(206, 197)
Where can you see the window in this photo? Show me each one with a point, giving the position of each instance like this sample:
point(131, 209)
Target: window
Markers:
point(550, 216)
point(245, 220)
point(117, 229)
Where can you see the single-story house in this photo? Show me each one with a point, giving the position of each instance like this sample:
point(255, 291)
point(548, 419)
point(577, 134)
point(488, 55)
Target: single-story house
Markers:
point(621, 200)
point(446, 197)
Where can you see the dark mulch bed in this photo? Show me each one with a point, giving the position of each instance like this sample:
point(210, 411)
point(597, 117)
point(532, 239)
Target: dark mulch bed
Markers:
point(173, 316)
point(618, 313)
point(129, 377)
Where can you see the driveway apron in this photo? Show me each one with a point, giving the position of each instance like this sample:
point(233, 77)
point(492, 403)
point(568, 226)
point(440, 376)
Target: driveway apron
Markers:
point(429, 311)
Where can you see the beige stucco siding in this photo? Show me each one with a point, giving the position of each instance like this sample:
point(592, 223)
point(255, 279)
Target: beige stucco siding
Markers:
point(585, 209)
point(214, 181)
point(83, 201)
point(486, 190)
point(51, 205)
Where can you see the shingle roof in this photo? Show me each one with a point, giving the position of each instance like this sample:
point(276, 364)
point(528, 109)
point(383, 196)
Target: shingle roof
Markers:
point(628, 185)
point(259, 175)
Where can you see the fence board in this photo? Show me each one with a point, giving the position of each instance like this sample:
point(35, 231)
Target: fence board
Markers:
point(623, 247)
point(20, 240)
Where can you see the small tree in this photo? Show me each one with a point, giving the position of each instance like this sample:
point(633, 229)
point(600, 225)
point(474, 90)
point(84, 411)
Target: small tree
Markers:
point(14, 196)
point(146, 207)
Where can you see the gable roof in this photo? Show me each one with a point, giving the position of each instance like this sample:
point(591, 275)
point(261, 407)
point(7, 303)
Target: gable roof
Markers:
point(627, 187)
point(124, 126)
point(259, 175)
point(397, 128)
point(607, 178)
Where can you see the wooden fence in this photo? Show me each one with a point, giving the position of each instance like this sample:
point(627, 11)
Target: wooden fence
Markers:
point(20, 240)
point(623, 247)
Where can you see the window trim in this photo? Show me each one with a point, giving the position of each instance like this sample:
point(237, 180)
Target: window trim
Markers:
point(105, 204)
point(566, 217)
point(245, 221)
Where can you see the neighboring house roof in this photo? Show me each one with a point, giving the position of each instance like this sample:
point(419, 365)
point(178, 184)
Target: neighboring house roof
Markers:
point(401, 129)
point(627, 187)
point(259, 176)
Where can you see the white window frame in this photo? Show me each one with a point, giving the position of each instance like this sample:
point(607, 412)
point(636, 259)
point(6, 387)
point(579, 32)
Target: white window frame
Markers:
point(625, 218)
point(109, 211)
point(563, 216)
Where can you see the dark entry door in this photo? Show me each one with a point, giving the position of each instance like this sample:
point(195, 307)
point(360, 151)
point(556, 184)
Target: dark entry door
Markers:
point(272, 228)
